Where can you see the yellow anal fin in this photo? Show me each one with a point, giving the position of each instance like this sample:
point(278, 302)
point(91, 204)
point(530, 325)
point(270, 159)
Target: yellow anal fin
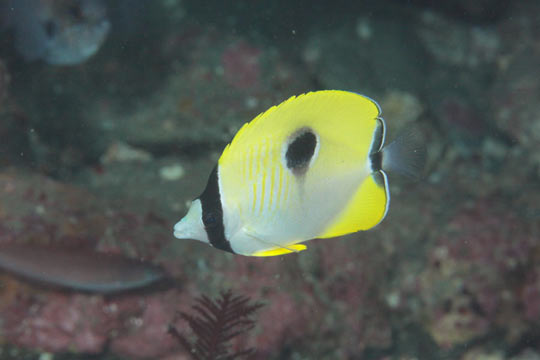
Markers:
point(281, 250)
point(366, 209)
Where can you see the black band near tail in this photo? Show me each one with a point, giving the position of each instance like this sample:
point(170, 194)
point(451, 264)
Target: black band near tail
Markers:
point(376, 161)
point(212, 214)
point(375, 154)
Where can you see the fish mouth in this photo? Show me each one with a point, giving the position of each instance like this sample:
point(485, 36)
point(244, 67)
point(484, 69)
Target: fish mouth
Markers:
point(181, 231)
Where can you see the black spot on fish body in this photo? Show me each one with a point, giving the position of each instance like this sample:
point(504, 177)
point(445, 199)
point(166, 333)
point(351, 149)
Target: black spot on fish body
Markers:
point(300, 151)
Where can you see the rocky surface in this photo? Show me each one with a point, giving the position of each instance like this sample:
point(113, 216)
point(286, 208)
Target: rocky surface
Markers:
point(117, 148)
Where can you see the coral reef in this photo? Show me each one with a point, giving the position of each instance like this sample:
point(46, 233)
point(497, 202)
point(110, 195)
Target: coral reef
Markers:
point(106, 156)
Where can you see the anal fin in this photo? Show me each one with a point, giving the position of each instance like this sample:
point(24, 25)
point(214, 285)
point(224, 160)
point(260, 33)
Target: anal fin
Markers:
point(366, 208)
point(272, 249)
point(281, 250)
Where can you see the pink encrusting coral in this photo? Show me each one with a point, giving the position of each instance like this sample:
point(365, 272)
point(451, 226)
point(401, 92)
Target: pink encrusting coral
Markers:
point(39, 217)
point(133, 326)
point(458, 114)
point(59, 322)
point(145, 334)
point(261, 281)
point(241, 65)
point(472, 279)
point(332, 288)
point(530, 295)
point(47, 236)
point(487, 235)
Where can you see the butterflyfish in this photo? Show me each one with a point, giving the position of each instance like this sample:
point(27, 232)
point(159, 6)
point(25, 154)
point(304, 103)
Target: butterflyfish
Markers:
point(314, 166)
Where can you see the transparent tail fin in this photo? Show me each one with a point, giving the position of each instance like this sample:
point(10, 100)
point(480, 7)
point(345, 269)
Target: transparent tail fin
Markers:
point(406, 155)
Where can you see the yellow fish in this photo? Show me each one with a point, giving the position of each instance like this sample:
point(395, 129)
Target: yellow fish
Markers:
point(312, 167)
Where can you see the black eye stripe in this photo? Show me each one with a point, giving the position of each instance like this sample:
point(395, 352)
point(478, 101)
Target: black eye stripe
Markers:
point(300, 151)
point(212, 214)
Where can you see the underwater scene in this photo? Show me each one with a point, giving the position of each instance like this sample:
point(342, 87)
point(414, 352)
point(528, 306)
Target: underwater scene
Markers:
point(299, 180)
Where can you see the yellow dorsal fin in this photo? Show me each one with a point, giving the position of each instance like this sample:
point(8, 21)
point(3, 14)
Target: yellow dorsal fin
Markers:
point(336, 115)
point(243, 132)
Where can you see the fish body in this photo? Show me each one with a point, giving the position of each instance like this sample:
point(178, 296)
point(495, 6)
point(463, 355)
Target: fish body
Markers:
point(59, 32)
point(311, 167)
point(78, 269)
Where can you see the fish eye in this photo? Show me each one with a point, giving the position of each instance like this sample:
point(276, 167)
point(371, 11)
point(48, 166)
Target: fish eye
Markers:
point(209, 219)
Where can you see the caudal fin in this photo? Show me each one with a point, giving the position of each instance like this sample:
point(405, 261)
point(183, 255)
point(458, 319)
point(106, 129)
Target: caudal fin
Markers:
point(406, 155)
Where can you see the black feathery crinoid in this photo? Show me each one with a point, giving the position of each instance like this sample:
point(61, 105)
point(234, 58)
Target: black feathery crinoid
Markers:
point(215, 323)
